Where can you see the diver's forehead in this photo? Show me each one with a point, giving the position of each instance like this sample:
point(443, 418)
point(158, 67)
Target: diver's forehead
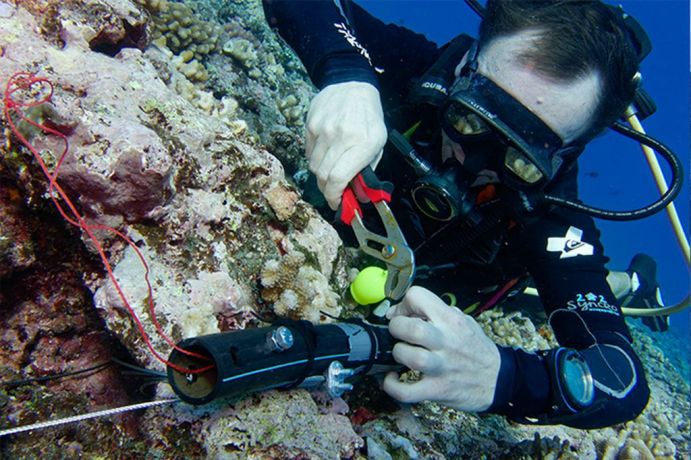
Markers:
point(566, 107)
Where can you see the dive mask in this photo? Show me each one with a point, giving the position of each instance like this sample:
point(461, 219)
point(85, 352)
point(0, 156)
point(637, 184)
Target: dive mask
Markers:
point(478, 112)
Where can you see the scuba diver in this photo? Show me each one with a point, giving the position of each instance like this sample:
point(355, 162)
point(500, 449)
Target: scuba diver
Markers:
point(483, 137)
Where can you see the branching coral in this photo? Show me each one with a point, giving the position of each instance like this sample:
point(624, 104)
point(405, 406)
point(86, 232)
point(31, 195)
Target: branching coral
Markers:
point(298, 290)
point(190, 67)
point(515, 330)
point(153, 6)
point(183, 31)
point(291, 109)
point(242, 50)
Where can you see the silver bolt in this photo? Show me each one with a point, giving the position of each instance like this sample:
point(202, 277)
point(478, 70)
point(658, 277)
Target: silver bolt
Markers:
point(388, 251)
point(335, 376)
point(344, 372)
point(337, 390)
point(281, 338)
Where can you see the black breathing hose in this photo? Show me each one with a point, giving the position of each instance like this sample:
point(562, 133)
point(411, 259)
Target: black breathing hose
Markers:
point(645, 211)
point(476, 6)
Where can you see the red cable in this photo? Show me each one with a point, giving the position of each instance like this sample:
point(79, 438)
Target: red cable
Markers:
point(25, 81)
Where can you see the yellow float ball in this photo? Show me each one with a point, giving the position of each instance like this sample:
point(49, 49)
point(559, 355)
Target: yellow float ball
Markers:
point(368, 286)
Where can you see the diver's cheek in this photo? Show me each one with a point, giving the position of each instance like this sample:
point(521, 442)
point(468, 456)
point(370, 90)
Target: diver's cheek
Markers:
point(450, 149)
point(446, 152)
point(458, 153)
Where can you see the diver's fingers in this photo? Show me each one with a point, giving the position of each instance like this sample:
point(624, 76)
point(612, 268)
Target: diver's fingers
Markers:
point(421, 303)
point(408, 392)
point(417, 358)
point(416, 331)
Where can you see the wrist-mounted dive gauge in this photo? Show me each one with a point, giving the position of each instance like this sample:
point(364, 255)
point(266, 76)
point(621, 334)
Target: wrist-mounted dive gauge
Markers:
point(572, 388)
point(572, 383)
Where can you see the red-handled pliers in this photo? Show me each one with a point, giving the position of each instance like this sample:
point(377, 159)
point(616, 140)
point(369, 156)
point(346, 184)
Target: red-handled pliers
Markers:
point(391, 249)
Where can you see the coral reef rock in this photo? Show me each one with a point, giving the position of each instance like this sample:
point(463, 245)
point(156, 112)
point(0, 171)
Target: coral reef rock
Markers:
point(184, 121)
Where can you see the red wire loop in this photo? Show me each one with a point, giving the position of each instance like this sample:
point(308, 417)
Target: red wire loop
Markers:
point(35, 91)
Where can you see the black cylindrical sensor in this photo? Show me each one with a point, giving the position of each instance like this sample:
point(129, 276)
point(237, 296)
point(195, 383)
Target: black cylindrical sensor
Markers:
point(252, 360)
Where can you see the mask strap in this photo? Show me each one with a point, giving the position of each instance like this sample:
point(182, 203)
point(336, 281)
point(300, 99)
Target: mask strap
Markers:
point(470, 66)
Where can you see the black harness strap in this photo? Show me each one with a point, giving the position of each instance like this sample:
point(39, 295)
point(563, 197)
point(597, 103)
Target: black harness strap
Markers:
point(478, 239)
point(306, 330)
point(374, 349)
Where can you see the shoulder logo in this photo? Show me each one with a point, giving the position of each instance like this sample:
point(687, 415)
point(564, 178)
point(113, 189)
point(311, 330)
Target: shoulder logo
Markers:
point(570, 245)
point(352, 41)
point(592, 303)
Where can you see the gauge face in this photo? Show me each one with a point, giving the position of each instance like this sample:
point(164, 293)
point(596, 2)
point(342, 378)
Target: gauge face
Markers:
point(434, 202)
point(577, 380)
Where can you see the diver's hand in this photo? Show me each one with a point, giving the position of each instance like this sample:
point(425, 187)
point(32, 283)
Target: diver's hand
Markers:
point(345, 132)
point(459, 363)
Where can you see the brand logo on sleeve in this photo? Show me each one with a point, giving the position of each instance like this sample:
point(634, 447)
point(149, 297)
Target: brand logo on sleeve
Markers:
point(570, 245)
point(592, 302)
point(352, 41)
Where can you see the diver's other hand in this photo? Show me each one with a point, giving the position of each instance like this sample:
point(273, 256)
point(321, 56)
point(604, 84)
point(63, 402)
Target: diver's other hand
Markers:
point(345, 132)
point(459, 363)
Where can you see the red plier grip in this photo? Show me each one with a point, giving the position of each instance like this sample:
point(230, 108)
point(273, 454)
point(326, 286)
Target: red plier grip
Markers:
point(389, 248)
point(363, 188)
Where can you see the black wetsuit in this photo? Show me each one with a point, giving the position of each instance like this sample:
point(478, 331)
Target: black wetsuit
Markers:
point(340, 42)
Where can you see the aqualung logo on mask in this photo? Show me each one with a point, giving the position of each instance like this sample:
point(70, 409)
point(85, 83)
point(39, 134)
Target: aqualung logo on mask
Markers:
point(435, 86)
point(489, 115)
point(570, 245)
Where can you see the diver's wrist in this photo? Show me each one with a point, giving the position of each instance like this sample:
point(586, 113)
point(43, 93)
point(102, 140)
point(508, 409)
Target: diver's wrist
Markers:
point(523, 384)
point(341, 69)
point(503, 389)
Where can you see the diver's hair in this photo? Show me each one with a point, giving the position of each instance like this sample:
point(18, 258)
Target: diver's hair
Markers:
point(575, 37)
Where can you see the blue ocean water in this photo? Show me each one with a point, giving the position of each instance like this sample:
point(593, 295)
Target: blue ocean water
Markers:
point(614, 172)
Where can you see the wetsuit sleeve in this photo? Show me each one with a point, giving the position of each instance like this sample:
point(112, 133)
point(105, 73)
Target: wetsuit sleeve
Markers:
point(338, 41)
point(567, 262)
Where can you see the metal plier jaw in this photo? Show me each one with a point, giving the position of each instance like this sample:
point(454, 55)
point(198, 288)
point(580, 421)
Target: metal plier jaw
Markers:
point(391, 249)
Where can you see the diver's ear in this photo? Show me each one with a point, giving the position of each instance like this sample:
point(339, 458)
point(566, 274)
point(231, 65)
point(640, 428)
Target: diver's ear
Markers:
point(469, 60)
point(459, 67)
